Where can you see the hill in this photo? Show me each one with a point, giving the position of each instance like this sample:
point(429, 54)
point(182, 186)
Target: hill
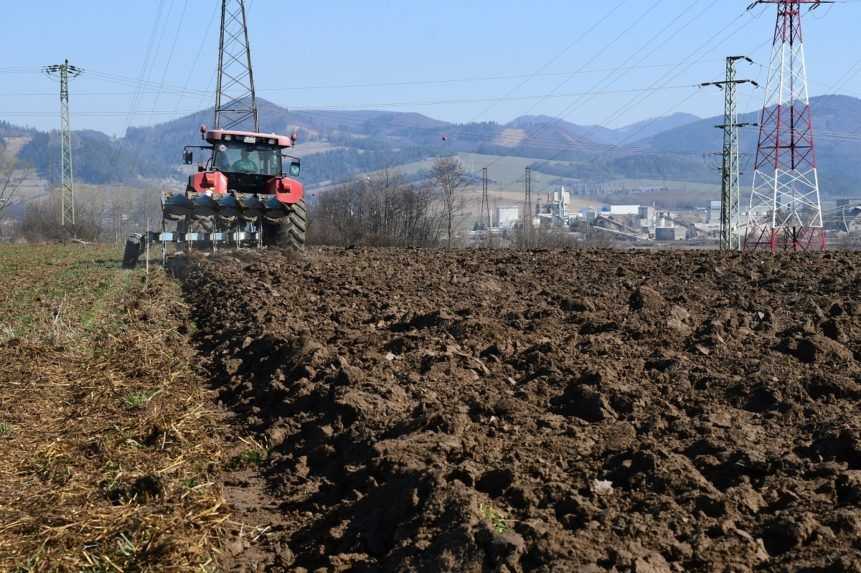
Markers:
point(337, 145)
point(837, 121)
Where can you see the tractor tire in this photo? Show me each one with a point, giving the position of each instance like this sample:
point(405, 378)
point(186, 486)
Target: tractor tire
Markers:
point(133, 250)
point(299, 225)
point(289, 231)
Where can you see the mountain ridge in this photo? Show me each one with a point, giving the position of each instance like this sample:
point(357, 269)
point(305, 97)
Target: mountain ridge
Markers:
point(341, 144)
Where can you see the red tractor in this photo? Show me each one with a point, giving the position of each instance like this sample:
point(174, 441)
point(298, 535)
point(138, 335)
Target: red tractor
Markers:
point(242, 195)
point(242, 191)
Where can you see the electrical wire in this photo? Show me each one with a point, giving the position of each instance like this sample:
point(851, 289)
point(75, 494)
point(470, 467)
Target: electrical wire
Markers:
point(705, 45)
point(209, 28)
point(579, 103)
point(170, 54)
point(187, 91)
point(578, 38)
point(353, 105)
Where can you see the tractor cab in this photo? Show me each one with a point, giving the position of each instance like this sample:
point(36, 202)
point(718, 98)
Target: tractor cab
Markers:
point(248, 160)
point(247, 175)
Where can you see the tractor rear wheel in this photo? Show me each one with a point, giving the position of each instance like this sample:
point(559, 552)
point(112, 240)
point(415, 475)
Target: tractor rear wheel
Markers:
point(289, 231)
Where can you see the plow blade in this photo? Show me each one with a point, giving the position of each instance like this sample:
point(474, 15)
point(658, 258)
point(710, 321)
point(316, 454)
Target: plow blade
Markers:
point(227, 209)
point(274, 209)
point(213, 222)
point(176, 206)
point(250, 208)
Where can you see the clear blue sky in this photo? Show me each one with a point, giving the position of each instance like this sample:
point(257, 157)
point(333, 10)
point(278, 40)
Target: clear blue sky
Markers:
point(307, 54)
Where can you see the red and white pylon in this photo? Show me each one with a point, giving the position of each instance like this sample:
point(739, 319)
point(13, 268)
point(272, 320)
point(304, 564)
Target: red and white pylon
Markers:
point(785, 210)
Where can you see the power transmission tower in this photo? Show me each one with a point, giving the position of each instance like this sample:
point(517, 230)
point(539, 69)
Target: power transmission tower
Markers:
point(527, 208)
point(730, 216)
point(65, 71)
point(527, 200)
point(484, 220)
point(785, 210)
point(235, 99)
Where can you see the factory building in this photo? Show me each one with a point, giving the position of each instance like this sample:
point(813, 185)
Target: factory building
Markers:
point(623, 210)
point(507, 217)
point(713, 217)
point(555, 210)
point(670, 234)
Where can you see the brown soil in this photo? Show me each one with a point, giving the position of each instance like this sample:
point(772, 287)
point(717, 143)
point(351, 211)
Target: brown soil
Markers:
point(545, 411)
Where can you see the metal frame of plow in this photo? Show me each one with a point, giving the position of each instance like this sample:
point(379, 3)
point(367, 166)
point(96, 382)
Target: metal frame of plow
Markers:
point(785, 211)
point(229, 239)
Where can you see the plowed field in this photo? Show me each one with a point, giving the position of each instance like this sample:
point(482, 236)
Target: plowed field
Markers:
point(544, 411)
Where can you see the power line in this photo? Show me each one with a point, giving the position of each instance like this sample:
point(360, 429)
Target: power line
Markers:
point(200, 49)
point(187, 91)
point(598, 54)
point(170, 54)
point(356, 106)
point(556, 57)
point(635, 101)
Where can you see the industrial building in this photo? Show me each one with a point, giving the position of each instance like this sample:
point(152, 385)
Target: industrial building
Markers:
point(670, 234)
point(507, 217)
point(713, 216)
point(555, 211)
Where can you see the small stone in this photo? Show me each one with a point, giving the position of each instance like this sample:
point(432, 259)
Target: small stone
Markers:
point(276, 436)
point(602, 487)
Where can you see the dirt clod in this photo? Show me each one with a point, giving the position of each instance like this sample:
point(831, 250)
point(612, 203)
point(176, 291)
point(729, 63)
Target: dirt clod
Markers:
point(567, 419)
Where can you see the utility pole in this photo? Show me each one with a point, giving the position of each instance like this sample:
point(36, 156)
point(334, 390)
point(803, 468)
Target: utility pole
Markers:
point(484, 219)
point(65, 71)
point(527, 207)
point(785, 206)
point(235, 98)
point(730, 215)
point(527, 200)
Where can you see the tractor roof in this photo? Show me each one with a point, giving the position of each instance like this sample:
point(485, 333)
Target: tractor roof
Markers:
point(216, 135)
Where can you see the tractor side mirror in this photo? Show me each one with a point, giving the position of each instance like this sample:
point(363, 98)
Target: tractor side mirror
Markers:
point(188, 156)
point(295, 168)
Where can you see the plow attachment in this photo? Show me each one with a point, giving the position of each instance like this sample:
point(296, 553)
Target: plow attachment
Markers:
point(231, 221)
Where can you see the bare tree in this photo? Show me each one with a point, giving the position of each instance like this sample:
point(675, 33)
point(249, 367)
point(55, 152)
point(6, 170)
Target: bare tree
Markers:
point(449, 178)
point(381, 210)
point(40, 221)
point(10, 182)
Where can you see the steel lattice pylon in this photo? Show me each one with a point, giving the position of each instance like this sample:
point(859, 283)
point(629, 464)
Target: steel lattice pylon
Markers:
point(730, 220)
point(730, 172)
point(785, 210)
point(235, 100)
point(484, 217)
point(65, 71)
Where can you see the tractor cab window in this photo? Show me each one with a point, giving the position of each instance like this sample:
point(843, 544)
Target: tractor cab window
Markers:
point(239, 157)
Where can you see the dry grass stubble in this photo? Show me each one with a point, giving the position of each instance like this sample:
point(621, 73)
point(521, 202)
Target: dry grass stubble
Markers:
point(109, 448)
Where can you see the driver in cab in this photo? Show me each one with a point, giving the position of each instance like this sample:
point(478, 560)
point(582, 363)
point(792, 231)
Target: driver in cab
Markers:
point(245, 164)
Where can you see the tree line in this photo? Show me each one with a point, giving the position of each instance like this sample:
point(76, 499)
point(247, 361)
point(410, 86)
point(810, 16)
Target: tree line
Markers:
point(388, 211)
